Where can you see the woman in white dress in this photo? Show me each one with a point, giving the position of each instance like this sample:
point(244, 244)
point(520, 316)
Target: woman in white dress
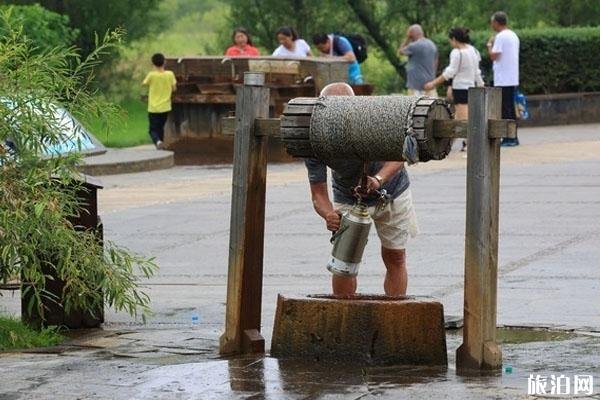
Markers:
point(463, 70)
point(290, 45)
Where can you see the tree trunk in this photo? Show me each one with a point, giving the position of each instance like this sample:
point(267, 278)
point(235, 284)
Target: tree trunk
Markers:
point(373, 28)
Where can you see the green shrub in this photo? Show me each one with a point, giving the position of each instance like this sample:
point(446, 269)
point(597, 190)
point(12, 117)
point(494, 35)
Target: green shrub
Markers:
point(379, 72)
point(552, 60)
point(45, 29)
point(16, 335)
point(38, 196)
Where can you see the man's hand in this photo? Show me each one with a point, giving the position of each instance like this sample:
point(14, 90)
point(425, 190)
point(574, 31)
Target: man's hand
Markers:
point(373, 184)
point(333, 220)
point(429, 85)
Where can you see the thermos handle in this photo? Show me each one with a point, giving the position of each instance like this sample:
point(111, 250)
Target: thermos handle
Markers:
point(338, 233)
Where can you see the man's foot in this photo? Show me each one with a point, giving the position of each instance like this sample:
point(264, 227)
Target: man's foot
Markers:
point(160, 145)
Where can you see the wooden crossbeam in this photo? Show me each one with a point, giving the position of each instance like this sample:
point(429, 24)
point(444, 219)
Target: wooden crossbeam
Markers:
point(456, 129)
point(442, 128)
point(262, 126)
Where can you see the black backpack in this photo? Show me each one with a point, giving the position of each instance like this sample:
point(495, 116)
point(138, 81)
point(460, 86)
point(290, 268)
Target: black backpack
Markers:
point(358, 43)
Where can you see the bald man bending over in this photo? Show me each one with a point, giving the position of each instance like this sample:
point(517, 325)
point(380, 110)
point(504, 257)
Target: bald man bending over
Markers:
point(395, 221)
point(422, 61)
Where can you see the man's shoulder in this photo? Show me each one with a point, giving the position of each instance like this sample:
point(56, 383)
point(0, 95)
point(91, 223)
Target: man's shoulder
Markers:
point(342, 43)
point(507, 34)
point(429, 42)
point(425, 44)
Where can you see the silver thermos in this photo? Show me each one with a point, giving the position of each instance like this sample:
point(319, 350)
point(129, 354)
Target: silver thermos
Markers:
point(349, 241)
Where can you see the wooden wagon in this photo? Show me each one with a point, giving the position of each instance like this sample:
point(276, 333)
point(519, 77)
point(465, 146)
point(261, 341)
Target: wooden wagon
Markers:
point(206, 92)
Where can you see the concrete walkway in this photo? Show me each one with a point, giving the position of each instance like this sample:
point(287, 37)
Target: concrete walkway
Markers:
point(549, 277)
point(128, 160)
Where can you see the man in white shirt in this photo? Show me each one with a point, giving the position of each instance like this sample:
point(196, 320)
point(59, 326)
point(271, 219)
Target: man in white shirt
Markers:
point(503, 50)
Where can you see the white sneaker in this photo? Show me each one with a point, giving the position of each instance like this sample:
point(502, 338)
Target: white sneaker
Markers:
point(160, 145)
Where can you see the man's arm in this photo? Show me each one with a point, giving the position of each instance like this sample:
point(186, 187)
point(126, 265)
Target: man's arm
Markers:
point(349, 56)
point(494, 48)
point(323, 206)
point(317, 176)
point(403, 46)
point(343, 46)
point(389, 169)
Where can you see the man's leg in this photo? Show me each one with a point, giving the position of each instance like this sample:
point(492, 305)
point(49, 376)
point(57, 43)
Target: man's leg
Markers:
point(396, 277)
point(508, 111)
point(395, 224)
point(343, 285)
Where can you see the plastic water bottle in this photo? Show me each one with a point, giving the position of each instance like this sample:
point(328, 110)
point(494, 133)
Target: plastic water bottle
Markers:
point(195, 319)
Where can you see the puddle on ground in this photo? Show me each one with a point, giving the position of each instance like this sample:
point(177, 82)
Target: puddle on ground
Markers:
point(514, 335)
point(527, 335)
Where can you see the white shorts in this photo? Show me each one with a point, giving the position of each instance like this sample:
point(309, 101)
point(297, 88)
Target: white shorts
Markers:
point(428, 93)
point(395, 223)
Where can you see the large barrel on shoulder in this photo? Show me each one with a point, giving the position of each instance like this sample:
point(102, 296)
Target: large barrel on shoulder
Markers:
point(368, 128)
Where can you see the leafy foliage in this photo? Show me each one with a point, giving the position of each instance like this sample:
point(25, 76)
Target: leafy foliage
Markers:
point(552, 60)
point(194, 28)
point(92, 17)
point(386, 21)
point(16, 335)
point(45, 29)
point(263, 18)
point(38, 194)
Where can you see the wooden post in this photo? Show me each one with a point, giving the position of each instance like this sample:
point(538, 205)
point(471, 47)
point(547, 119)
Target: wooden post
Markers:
point(479, 349)
point(245, 274)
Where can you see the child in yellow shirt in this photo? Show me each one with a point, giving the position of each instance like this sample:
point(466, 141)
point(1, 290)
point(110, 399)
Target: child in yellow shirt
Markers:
point(161, 84)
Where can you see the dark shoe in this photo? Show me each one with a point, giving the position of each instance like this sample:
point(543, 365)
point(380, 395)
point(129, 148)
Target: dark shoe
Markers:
point(509, 142)
point(464, 146)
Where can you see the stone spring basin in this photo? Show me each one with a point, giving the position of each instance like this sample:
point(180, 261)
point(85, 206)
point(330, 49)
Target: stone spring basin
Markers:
point(363, 328)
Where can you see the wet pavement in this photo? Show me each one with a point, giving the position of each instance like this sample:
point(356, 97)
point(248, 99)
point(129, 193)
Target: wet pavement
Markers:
point(176, 364)
point(548, 277)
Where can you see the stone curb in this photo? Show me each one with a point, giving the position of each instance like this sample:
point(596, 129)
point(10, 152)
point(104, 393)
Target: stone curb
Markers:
point(127, 161)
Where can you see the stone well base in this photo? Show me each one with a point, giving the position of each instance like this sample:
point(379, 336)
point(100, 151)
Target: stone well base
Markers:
point(377, 330)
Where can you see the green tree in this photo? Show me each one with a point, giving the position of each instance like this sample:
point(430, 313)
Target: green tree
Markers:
point(93, 17)
point(263, 18)
point(45, 29)
point(38, 193)
point(385, 21)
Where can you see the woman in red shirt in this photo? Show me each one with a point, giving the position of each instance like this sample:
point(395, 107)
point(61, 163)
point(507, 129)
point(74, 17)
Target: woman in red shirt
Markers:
point(242, 44)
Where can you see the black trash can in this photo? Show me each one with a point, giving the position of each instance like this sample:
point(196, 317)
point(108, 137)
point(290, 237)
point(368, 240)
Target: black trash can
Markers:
point(87, 219)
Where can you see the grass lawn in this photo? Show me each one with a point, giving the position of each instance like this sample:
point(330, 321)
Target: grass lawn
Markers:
point(16, 335)
point(131, 129)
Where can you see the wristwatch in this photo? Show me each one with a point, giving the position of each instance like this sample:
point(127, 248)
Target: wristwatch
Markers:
point(379, 179)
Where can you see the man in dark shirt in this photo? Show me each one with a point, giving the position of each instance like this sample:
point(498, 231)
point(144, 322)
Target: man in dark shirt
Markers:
point(395, 222)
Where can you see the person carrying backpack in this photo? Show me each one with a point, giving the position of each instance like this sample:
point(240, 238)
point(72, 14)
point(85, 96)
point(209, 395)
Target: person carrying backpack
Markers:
point(331, 45)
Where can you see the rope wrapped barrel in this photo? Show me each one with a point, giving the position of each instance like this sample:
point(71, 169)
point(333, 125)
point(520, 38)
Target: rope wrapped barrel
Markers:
point(368, 128)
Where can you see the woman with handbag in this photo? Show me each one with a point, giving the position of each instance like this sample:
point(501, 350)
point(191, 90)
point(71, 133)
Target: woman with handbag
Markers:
point(463, 70)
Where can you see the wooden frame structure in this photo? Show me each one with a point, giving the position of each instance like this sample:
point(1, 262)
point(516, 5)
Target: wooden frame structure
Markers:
point(252, 127)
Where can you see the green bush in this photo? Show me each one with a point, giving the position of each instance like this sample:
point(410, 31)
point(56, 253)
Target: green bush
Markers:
point(552, 60)
point(45, 29)
point(16, 335)
point(38, 195)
